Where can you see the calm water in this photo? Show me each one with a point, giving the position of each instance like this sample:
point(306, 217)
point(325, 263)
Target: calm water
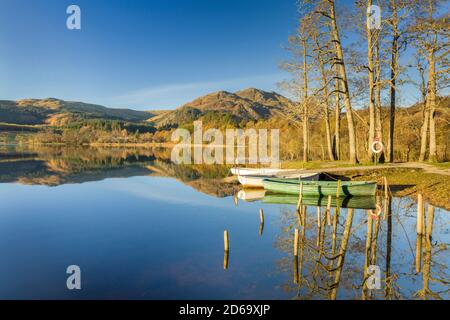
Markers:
point(142, 228)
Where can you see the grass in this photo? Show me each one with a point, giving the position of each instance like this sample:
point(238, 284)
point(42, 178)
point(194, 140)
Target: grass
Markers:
point(409, 182)
point(441, 165)
point(403, 181)
point(296, 164)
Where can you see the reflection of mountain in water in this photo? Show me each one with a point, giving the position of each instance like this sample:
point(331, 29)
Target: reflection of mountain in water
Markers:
point(53, 166)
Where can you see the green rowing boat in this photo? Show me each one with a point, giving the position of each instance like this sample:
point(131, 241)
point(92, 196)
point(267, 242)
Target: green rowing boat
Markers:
point(366, 202)
point(321, 188)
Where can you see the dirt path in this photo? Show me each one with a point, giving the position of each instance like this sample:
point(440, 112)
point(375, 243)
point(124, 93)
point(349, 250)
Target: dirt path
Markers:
point(409, 165)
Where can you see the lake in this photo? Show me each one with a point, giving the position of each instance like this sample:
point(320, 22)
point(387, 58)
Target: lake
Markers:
point(140, 227)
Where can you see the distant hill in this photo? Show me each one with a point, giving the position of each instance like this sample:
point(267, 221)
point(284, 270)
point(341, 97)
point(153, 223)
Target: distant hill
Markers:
point(242, 106)
point(59, 112)
point(246, 105)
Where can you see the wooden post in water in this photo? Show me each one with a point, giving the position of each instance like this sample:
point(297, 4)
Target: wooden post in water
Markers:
point(328, 211)
point(329, 206)
point(338, 189)
point(386, 187)
point(226, 243)
point(261, 224)
point(225, 260)
point(296, 242)
point(420, 214)
point(226, 251)
point(318, 217)
point(300, 196)
point(299, 216)
point(430, 217)
point(318, 226)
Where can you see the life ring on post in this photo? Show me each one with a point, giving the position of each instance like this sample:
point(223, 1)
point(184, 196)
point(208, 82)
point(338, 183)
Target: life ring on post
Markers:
point(377, 143)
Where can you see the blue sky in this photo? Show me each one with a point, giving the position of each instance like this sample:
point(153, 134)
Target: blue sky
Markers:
point(141, 54)
point(153, 54)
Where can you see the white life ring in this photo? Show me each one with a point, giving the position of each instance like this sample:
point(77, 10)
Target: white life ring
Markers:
point(374, 144)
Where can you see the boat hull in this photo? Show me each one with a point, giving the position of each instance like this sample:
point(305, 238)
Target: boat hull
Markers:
point(320, 188)
point(363, 202)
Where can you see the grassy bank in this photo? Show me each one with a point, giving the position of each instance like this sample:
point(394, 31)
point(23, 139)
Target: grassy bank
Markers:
point(409, 182)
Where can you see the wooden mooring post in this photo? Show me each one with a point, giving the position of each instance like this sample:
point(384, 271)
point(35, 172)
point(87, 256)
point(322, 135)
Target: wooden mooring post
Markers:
point(328, 211)
point(420, 214)
point(261, 222)
point(300, 196)
point(226, 255)
point(296, 242)
point(226, 243)
point(338, 189)
point(318, 217)
point(226, 251)
point(386, 187)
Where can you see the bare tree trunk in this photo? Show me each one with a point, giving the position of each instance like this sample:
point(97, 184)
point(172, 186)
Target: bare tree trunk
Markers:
point(344, 87)
point(305, 105)
point(337, 122)
point(328, 132)
point(394, 71)
point(426, 114)
point(378, 110)
point(424, 132)
point(370, 67)
point(431, 99)
point(326, 113)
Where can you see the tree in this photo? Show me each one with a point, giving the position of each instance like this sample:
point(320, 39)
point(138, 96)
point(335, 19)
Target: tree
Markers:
point(321, 59)
point(431, 34)
point(304, 37)
point(393, 78)
point(328, 10)
point(337, 118)
point(299, 45)
point(378, 108)
point(371, 78)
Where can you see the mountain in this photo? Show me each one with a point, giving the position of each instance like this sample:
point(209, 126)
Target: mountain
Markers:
point(246, 105)
point(59, 112)
point(221, 107)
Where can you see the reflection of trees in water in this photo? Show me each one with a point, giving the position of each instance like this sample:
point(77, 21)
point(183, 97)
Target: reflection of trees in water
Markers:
point(337, 248)
point(55, 165)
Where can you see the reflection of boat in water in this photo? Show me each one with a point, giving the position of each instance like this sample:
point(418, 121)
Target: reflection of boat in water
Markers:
point(324, 188)
point(268, 172)
point(257, 181)
point(250, 195)
point(367, 202)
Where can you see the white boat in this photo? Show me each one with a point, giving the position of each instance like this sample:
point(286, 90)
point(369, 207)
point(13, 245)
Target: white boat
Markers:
point(257, 181)
point(268, 172)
